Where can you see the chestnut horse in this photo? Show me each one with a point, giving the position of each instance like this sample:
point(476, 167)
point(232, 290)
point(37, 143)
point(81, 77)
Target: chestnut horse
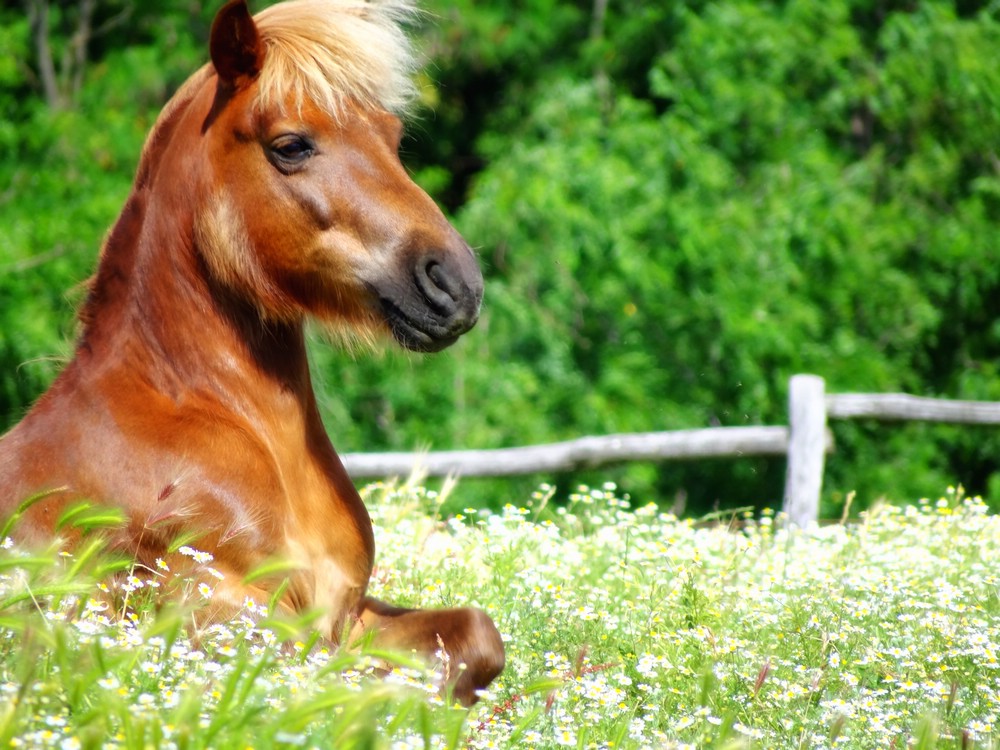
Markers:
point(269, 189)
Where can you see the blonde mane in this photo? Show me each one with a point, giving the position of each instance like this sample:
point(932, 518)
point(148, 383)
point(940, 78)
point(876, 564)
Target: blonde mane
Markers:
point(332, 51)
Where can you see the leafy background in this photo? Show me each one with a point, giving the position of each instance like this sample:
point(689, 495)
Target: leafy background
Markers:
point(677, 206)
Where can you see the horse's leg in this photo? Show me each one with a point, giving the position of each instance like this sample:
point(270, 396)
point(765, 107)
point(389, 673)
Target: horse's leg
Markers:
point(472, 644)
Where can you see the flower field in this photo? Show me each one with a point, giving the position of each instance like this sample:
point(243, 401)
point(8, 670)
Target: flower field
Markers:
point(625, 628)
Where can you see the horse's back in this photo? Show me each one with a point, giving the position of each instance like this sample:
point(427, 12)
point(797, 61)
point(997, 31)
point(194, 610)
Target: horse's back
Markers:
point(36, 457)
point(106, 440)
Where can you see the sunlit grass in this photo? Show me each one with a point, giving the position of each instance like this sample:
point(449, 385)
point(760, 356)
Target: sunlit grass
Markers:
point(625, 628)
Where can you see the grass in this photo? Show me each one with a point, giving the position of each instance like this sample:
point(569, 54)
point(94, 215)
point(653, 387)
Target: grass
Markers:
point(625, 628)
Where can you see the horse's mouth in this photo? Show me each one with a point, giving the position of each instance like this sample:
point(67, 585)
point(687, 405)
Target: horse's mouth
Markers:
point(417, 335)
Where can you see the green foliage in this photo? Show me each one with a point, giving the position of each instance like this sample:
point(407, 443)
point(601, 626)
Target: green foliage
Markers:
point(677, 206)
point(82, 673)
point(64, 174)
point(624, 626)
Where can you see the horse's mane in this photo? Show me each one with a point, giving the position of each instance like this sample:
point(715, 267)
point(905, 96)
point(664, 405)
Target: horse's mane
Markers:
point(332, 51)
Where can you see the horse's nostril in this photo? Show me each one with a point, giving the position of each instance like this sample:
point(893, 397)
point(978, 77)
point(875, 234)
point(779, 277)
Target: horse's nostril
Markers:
point(437, 274)
point(437, 286)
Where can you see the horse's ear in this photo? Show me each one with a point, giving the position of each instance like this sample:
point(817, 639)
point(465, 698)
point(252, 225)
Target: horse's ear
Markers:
point(237, 52)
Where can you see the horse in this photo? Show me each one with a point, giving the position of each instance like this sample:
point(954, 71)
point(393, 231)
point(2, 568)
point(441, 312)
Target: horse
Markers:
point(269, 191)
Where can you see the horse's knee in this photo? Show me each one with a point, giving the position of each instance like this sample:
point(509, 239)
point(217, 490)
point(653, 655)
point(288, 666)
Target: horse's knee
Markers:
point(490, 643)
point(471, 644)
point(481, 657)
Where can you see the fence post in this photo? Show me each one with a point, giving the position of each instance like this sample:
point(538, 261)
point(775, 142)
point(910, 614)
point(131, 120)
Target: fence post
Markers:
point(806, 448)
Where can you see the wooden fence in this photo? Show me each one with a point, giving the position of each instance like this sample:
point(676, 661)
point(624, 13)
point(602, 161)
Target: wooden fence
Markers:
point(805, 441)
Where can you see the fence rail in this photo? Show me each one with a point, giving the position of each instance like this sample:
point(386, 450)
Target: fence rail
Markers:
point(805, 441)
point(585, 452)
point(903, 407)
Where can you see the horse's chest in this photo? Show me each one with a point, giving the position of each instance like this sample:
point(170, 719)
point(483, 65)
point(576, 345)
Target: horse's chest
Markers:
point(328, 582)
point(328, 538)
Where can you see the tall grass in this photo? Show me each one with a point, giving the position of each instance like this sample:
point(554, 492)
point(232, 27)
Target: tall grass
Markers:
point(625, 628)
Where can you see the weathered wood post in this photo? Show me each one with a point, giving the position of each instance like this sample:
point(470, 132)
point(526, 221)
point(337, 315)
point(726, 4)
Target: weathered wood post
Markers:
point(806, 448)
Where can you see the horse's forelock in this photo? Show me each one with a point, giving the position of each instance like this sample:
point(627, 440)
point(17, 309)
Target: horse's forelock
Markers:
point(330, 52)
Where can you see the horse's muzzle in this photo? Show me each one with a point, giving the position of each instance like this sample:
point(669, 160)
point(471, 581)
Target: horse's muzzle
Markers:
point(437, 303)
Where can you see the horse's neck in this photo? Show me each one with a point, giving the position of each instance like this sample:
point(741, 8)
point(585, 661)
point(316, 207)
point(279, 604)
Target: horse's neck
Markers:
point(154, 312)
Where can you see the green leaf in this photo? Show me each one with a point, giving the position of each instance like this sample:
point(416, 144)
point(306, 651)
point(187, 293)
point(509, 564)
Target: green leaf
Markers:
point(271, 568)
point(86, 517)
point(16, 516)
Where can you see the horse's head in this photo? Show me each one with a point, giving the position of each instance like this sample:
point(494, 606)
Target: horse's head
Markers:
point(308, 208)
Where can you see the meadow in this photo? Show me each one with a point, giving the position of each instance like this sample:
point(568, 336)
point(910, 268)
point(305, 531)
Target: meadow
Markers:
point(625, 627)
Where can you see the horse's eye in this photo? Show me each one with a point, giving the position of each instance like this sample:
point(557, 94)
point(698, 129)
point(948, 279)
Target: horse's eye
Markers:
point(291, 151)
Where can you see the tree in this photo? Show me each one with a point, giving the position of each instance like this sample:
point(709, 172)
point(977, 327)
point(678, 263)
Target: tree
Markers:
point(677, 206)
